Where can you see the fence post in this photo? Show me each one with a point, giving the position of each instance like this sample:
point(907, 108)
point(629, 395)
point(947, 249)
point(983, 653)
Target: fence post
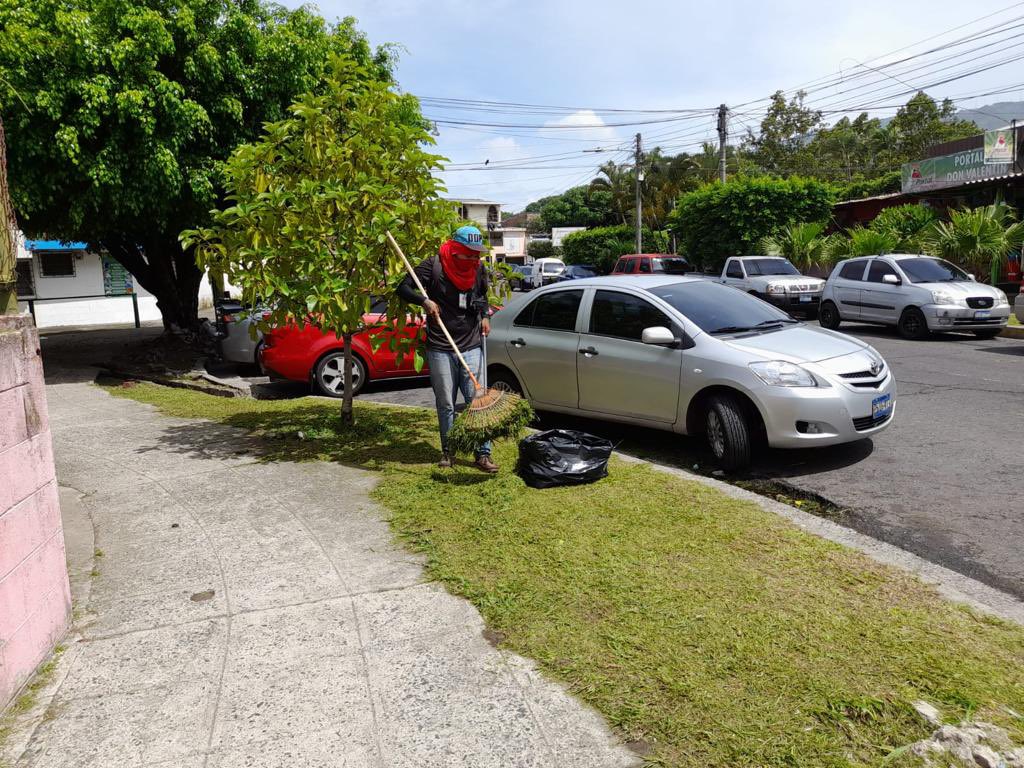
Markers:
point(135, 309)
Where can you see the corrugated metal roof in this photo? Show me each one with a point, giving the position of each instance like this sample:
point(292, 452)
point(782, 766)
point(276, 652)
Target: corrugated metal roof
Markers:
point(55, 245)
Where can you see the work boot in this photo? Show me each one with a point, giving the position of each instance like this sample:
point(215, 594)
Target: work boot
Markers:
point(485, 464)
point(445, 462)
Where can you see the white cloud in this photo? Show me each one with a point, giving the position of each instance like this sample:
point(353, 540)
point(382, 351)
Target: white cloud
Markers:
point(501, 148)
point(583, 124)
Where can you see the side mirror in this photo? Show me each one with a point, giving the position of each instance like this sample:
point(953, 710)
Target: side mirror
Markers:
point(659, 336)
point(891, 280)
point(972, 278)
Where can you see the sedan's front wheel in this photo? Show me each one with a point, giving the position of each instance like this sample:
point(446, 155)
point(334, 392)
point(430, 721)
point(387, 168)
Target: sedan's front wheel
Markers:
point(728, 433)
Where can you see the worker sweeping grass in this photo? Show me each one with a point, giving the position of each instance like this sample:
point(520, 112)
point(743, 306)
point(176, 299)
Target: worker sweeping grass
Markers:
point(452, 288)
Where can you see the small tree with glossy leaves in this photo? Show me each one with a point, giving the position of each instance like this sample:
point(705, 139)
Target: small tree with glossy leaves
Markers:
point(311, 202)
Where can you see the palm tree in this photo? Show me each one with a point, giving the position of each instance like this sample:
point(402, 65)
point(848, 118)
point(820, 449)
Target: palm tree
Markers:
point(978, 237)
point(803, 244)
point(617, 179)
point(862, 242)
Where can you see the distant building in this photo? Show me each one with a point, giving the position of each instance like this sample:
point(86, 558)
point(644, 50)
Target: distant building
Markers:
point(558, 234)
point(487, 215)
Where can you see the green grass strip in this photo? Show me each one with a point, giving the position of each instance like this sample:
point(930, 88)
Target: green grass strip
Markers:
point(712, 630)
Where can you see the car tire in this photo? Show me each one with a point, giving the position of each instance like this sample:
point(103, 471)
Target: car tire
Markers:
point(828, 316)
point(500, 377)
point(913, 325)
point(329, 374)
point(988, 333)
point(727, 432)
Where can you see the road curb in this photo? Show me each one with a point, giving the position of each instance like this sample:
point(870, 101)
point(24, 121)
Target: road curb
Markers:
point(1013, 332)
point(950, 584)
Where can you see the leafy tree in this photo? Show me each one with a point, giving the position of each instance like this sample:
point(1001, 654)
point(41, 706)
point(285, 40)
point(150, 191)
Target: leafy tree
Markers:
point(541, 249)
point(782, 146)
point(979, 238)
point(849, 148)
point(805, 245)
point(906, 224)
point(577, 207)
point(619, 183)
point(722, 220)
point(602, 246)
point(666, 178)
point(311, 202)
point(861, 187)
point(922, 123)
point(131, 107)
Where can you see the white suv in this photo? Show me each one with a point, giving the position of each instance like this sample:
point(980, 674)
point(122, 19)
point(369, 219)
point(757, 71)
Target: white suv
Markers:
point(917, 294)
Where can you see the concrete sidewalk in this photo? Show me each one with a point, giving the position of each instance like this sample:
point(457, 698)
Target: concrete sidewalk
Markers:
point(252, 614)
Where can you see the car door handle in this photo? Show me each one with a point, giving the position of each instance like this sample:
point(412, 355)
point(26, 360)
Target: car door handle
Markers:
point(517, 343)
point(589, 352)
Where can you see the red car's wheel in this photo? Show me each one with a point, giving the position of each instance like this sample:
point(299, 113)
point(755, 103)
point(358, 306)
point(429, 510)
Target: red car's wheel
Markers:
point(329, 375)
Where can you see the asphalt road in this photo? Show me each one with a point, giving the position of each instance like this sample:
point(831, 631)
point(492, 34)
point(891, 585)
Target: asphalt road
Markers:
point(945, 481)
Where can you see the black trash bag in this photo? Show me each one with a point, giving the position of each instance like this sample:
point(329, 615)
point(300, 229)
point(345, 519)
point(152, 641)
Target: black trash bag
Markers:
point(563, 457)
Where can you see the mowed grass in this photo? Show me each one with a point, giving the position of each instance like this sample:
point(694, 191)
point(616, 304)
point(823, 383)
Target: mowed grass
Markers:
point(706, 629)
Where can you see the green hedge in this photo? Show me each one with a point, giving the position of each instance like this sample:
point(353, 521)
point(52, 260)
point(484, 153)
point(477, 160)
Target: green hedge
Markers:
point(722, 220)
point(602, 246)
point(861, 188)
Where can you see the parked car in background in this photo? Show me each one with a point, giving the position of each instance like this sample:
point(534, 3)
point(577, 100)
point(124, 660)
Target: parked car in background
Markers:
point(1018, 308)
point(651, 264)
point(307, 354)
point(577, 272)
point(519, 274)
point(690, 356)
point(234, 331)
point(918, 295)
point(542, 272)
point(775, 280)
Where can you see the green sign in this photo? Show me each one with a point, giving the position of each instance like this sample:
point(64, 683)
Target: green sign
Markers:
point(951, 171)
point(117, 281)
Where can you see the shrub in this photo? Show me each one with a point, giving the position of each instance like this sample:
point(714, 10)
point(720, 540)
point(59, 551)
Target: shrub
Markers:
point(541, 249)
point(861, 188)
point(722, 220)
point(906, 224)
point(602, 246)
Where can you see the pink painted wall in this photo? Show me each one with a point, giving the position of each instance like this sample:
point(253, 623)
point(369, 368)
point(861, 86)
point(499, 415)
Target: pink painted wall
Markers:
point(35, 599)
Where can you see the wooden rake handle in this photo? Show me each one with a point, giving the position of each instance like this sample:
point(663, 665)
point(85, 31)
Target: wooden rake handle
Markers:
point(415, 278)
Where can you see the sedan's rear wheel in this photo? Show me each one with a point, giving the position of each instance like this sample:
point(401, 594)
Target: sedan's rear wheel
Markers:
point(828, 316)
point(329, 376)
point(728, 432)
point(913, 324)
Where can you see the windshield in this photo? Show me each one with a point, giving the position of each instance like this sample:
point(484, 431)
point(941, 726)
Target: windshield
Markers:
point(717, 308)
point(552, 267)
point(671, 266)
point(769, 267)
point(926, 270)
point(581, 272)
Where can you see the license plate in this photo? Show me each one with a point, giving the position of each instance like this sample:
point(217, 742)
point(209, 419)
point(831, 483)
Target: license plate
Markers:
point(881, 406)
point(982, 314)
point(805, 298)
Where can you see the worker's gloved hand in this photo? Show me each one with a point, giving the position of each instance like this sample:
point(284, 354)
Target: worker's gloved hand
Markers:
point(431, 308)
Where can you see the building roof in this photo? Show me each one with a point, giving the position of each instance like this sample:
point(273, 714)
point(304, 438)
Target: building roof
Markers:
point(886, 196)
point(55, 245)
point(473, 200)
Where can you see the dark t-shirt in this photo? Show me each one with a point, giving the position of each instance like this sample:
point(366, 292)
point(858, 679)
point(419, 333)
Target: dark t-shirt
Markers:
point(460, 316)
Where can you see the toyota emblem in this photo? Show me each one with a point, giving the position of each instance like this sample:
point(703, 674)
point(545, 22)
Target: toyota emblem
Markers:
point(876, 367)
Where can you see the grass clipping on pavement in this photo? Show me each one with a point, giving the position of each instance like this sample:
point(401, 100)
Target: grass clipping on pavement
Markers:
point(710, 630)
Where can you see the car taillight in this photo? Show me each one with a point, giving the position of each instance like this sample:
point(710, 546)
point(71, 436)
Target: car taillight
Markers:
point(229, 318)
point(267, 314)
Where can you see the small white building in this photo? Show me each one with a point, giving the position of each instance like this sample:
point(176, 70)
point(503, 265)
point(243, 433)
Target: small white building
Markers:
point(67, 284)
point(558, 234)
point(487, 215)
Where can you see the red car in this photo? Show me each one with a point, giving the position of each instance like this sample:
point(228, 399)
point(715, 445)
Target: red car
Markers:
point(651, 263)
point(309, 354)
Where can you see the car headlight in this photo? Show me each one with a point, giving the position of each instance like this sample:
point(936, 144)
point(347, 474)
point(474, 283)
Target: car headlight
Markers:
point(778, 373)
point(945, 297)
point(1001, 300)
point(776, 288)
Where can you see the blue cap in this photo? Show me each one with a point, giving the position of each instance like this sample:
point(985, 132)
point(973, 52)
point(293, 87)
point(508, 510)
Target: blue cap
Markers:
point(470, 237)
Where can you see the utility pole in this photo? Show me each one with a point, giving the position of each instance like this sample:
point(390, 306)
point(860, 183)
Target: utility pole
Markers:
point(639, 202)
point(723, 135)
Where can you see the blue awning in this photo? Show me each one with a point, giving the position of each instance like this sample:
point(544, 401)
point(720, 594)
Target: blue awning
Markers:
point(54, 245)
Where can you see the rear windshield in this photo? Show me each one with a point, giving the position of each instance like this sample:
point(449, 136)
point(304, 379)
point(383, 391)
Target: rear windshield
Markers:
point(581, 271)
point(925, 270)
point(714, 307)
point(770, 267)
point(671, 266)
point(552, 267)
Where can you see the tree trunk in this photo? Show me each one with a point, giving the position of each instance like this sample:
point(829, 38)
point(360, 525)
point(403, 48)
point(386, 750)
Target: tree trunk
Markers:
point(8, 300)
point(166, 271)
point(347, 416)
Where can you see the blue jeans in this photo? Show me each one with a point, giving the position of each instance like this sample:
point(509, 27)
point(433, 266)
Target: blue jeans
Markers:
point(448, 378)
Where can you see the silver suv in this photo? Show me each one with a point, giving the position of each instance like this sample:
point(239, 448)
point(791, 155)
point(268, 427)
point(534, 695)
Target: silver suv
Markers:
point(917, 294)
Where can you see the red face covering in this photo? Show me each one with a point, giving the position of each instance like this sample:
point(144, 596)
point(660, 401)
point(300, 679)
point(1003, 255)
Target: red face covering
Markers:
point(461, 272)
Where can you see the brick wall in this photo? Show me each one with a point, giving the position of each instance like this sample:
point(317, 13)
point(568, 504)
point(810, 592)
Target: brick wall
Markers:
point(35, 600)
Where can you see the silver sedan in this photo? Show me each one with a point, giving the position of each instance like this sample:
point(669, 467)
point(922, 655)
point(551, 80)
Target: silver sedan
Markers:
point(692, 357)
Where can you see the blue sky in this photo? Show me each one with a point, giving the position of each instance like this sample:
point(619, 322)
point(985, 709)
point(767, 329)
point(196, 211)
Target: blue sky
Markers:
point(660, 56)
